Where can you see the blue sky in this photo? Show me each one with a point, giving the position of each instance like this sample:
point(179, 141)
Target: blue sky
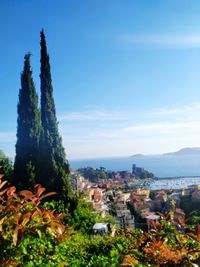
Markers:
point(126, 74)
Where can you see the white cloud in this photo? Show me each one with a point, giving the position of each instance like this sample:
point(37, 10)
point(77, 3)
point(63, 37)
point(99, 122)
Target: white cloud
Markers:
point(95, 115)
point(114, 133)
point(116, 115)
point(165, 127)
point(179, 110)
point(77, 116)
point(7, 136)
point(168, 41)
point(103, 133)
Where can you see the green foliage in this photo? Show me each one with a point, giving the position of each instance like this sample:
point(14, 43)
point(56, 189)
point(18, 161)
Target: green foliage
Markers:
point(81, 251)
point(146, 174)
point(82, 219)
point(195, 220)
point(194, 217)
point(93, 174)
point(40, 156)
point(53, 166)
point(28, 130)
point(6, 166)
point(73, 251)
point(58, 205)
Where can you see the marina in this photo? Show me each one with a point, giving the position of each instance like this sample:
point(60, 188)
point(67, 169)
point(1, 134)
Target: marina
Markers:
point(174, 183)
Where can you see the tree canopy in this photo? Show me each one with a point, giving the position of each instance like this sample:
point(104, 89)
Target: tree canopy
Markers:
point(28, 130)
point(53, 166)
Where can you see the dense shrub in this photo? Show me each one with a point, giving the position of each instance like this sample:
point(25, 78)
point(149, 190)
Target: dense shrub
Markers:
point(32, 234)
point(6, 166)
point(23, 217)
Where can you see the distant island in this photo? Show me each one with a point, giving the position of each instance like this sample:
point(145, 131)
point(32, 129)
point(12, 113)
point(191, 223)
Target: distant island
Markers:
point(137, 156)
point(182, 151)
point(185, 151)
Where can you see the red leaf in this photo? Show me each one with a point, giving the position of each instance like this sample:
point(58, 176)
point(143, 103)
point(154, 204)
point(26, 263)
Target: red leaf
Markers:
point(60, 216)
point(26, 218)
point(2, 184)
point(48, 194)
point(2, 192)
point(15, 236)
point(36, 213)
point(11, 190)
point(39, 189)
point(16, 218)
point(27, 194)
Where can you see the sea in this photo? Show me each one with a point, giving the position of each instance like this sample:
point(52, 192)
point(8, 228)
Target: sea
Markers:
point(173, 171)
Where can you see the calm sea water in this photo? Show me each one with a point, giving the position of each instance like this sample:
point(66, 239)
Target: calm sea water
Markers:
point(161, 166)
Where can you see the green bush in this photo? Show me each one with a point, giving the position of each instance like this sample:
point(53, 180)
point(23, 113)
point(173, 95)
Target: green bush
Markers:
point(6, 167)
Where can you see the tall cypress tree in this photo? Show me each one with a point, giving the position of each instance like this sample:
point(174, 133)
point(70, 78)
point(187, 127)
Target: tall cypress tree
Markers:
point(28, 130)
point(54, 168)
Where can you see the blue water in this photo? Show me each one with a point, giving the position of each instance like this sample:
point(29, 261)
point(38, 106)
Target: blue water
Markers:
point(161, 166)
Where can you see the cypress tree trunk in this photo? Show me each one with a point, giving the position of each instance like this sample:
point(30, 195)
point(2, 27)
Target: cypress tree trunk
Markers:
point(28, 130)
point(54, 168)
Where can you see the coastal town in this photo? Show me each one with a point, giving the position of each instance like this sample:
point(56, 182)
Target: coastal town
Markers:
point(125, 195)
point(100, 133)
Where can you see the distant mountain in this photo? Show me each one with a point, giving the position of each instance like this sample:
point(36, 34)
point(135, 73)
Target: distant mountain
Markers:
point(185, 151)
point(137, 156)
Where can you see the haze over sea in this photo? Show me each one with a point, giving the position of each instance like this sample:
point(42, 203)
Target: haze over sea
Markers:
point(161, 165)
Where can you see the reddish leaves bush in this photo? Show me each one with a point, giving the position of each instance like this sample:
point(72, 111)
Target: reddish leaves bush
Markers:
point(21, 213)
